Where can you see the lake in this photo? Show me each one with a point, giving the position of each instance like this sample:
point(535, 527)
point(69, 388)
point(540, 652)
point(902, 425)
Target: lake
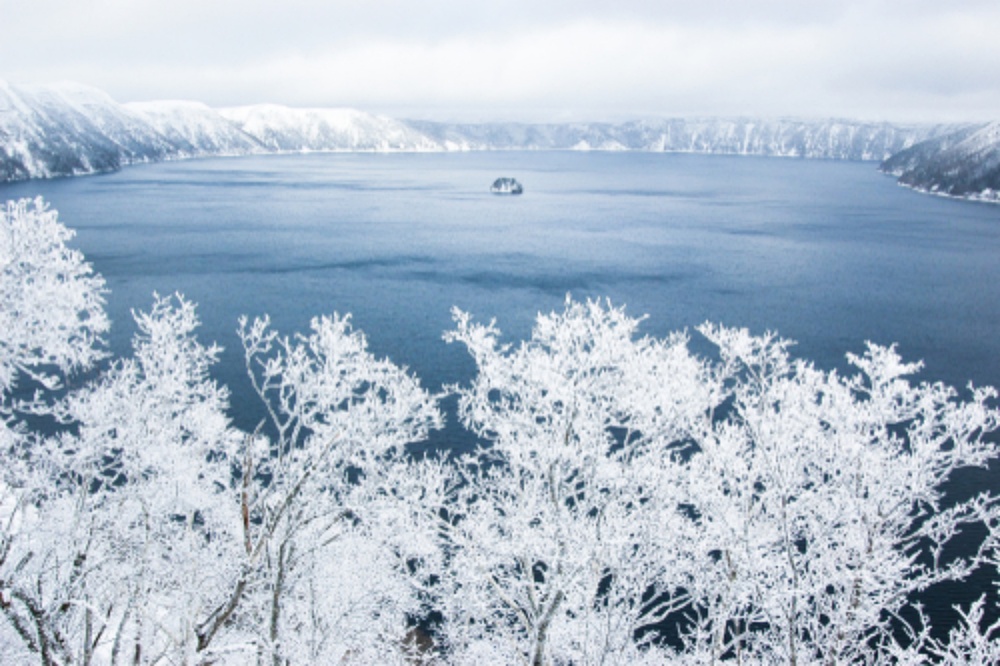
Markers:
point(827, 253)
point(830, 254)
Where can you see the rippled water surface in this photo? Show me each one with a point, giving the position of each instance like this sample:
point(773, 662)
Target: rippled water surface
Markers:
point(828, 253)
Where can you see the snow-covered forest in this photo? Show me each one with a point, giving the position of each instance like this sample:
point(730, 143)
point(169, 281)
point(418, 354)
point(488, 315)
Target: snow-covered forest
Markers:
point(632, 501)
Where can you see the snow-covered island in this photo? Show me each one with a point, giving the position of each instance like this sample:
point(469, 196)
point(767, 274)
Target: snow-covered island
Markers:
point(506, 186)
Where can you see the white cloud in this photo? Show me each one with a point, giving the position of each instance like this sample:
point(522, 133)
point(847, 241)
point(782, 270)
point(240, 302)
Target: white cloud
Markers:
point(895, 59)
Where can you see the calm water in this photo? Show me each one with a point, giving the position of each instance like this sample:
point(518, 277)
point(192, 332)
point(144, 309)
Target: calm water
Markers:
point(827, 253)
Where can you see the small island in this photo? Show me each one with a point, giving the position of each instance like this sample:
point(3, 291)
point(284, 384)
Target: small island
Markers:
point(506, 186)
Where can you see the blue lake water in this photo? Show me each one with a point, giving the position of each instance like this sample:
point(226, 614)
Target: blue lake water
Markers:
point(827, 253)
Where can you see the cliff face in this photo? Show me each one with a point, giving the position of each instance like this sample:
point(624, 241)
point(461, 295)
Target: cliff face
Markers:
point(69, 129)
point(965, 164)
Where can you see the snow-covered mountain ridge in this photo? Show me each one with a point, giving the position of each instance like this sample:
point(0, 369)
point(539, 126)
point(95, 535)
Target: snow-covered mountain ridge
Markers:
point(69, 129)
point(964, 164)
point(818, 139)
point(282, 129)
point(195, 130)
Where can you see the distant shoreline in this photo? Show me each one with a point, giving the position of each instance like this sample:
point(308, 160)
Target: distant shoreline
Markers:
point(68, 130)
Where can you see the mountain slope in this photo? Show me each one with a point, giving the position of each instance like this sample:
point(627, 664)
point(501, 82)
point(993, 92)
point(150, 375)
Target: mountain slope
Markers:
point(826, 139)
point(283, 129)
point(194, 129)
point(965, 164)
point(69, 129)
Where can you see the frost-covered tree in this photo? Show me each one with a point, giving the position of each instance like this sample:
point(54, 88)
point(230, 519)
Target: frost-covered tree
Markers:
point(564, 540)
point(330, 550)
point(51, 303)
point(818, 501)
point(631, 502)
point(51, 324)
point(125, 538)
point(153, 451)
point(143, 529)
point(973, 641)
point(755, 507)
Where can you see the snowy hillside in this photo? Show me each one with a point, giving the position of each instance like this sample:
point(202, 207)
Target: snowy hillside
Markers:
point(194, 129)
point(69, 129)
point(283, 129)
point(961, 164)
point(826, 139)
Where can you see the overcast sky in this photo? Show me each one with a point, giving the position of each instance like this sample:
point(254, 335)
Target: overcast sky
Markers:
point(539, 60)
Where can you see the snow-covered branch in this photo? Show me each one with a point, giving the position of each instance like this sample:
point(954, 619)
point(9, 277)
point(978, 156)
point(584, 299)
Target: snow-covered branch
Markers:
point(632, 502)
